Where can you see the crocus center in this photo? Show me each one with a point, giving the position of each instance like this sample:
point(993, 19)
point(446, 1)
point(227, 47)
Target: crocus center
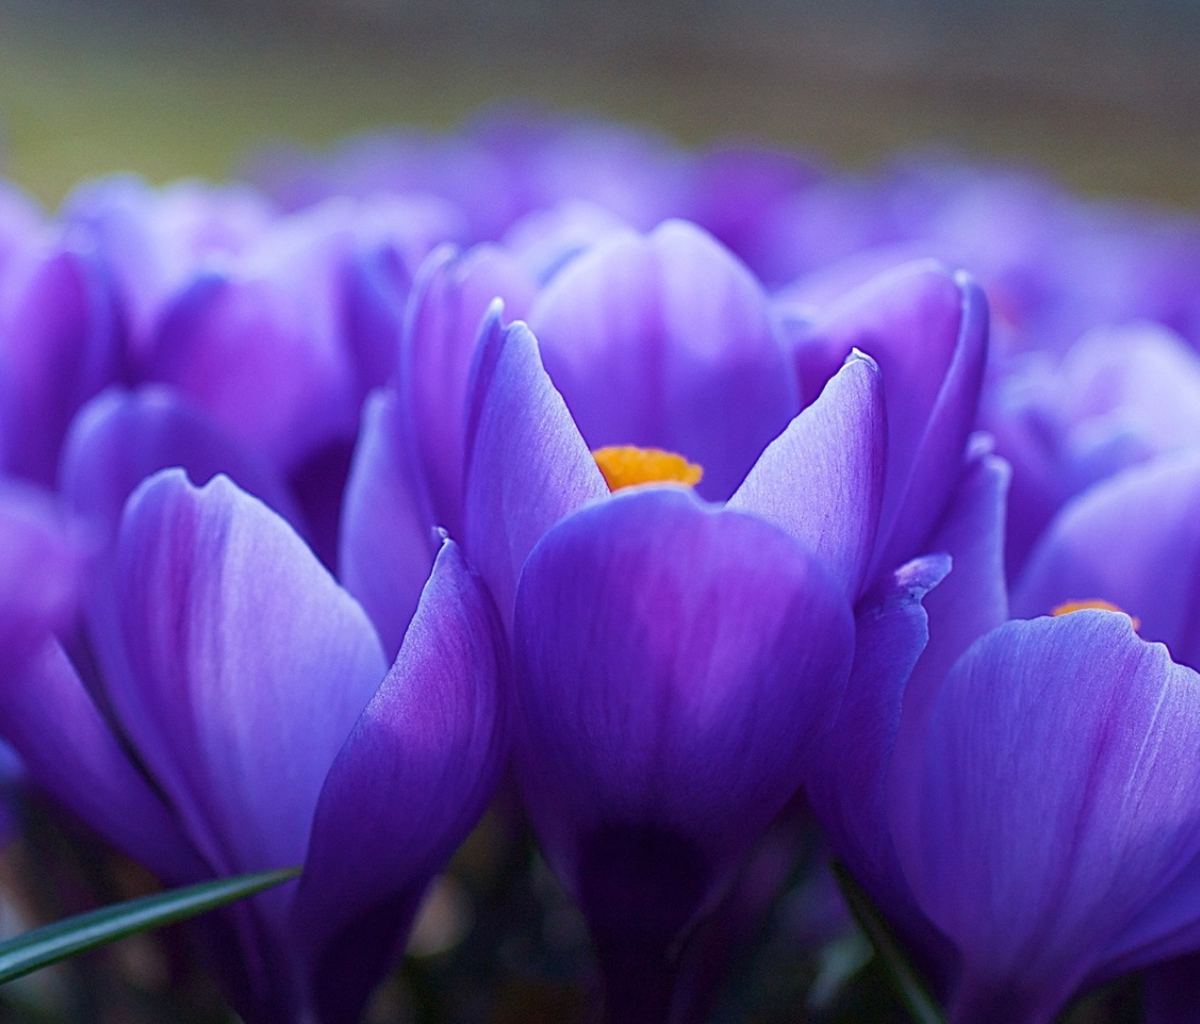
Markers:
point(626, 465)
point(1098, 603)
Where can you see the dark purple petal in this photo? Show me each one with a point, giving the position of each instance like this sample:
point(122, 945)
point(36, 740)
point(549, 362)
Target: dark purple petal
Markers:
point(973, 599)
point(1134, 541)
point(821, 480)
point(411, 781)
point(387, 543)
point(1057, 797)
point(674, 662)
point(121, 437)
point(239, 669)
point(450, 298)
point(527, 465)
point(69, 750)
point(666, 341)
point(846, 784)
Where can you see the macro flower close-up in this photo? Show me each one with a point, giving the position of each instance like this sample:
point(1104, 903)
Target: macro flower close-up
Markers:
point(600, 514)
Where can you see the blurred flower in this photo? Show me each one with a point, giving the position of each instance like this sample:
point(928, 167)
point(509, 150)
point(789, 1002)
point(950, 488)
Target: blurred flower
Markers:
point(244, 718)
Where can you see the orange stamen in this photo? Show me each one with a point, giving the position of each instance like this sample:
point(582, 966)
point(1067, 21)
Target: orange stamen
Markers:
point(627, 466)
point(1097, 603)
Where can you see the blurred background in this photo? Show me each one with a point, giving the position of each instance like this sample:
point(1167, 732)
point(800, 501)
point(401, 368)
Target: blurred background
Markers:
point(1104, 94)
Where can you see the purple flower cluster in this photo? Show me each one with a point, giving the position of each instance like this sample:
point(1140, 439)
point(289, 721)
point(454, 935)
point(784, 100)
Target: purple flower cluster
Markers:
point(702, 490)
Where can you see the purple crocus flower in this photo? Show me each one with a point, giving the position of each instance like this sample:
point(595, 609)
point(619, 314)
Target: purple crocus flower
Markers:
point(1051, 826)
point(697, 667)
point(245, 718)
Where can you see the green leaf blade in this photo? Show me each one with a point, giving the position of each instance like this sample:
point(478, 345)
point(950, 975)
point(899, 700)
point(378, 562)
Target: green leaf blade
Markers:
point(908, 986)
point(47, 945)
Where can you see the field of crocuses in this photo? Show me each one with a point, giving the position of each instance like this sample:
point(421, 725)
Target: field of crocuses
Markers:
point(648, 585)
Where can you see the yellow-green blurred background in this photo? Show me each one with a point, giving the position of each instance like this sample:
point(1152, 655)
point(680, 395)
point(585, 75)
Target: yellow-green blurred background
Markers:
point(1104, 94)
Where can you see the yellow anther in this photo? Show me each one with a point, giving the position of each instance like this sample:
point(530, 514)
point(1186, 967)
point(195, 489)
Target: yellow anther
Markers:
point(626, 465)
point(1105, 606)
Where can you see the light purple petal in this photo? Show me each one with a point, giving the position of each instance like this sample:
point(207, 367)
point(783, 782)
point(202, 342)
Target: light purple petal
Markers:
point(450, 298)
point(927, 330)
point(121, 437)
point(1133, 540)
point(821, 480)
point(527, 465)
point(387, 544)
point(240, 667)
point(1058, 795)
point(409, 784)
point(666, 341)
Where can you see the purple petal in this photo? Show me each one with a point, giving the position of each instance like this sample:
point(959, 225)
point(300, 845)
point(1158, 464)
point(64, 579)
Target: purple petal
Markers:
point(121, 437)
point(666, 341)
point(450, 298)
point(239, 669)
point(1133, 540)
point(69, 750)
point(387, 543)
point(973, 599)
point(409, 784)
point(927, 330)
point(61, 345)
point(43, 560)
point(262, 352)
point(1057, 797)
point(821, 480)
point(674, 662)
point(847, 782)
point(547, 239)
point(527, 465)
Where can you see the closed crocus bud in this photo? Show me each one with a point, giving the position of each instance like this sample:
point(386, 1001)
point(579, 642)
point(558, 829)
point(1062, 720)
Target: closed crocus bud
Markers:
point(673, 664)
point(1052, 829)
point(252, 722)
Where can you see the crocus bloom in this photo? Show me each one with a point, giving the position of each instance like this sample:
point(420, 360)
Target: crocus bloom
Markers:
point(666, 341)
point(247, 720)
point(1052, 826)
point(639, 599)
